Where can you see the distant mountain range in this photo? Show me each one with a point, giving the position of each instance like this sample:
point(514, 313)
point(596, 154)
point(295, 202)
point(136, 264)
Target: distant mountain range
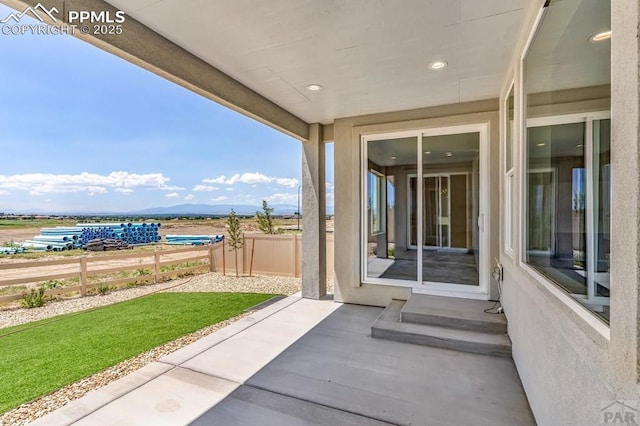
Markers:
point(180, 209)
point(215, 209)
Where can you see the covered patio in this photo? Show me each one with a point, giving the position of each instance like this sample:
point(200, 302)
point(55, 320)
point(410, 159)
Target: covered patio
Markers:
point(505, 131)
point(302, 361)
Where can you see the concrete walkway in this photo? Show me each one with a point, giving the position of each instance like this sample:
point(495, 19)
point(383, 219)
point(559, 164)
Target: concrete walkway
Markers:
point(300, 362)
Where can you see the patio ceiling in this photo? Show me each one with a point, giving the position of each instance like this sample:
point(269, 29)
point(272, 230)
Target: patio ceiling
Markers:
point(370, 57)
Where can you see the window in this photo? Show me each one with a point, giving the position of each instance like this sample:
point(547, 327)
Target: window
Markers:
point(567, 152)
point(508, 176)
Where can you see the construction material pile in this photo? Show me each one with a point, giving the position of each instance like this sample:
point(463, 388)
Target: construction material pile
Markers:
point(193, 240)
point(100, 244)
point(71, 237)
point(59, 238)
point(11, 250)
point(130, 233)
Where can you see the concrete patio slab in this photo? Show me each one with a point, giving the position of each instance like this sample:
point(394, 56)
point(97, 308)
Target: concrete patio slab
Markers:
point(310, 362)
point(78, 409)
point(174, 398)
point(249, 406)
point(242, 355)
point(338, 365)
point(207, 342)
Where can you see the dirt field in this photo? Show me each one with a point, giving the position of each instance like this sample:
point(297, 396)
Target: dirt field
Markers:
point(183, 227)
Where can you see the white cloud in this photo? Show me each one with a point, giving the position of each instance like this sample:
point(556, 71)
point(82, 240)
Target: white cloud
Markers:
point(330, 193)
point(205, 188)
point(170, 188)
point(91, 183)
point(189, 197)
point(222, 179)
point(4, 192)
point(124, 190)
point(281, 198)
point(229, 189)
point(219, 199)
point(290, 182)
point(172, 195)
point(252, 179)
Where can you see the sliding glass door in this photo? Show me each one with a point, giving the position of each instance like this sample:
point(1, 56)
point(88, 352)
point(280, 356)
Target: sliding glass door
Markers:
point(424, 222)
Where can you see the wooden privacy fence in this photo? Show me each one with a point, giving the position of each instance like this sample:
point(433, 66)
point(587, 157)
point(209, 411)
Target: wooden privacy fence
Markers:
point(262, 254)
point(278, 254)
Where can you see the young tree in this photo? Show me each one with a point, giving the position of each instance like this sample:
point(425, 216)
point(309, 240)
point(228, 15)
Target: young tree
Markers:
point(236, 239)
point(265, 221)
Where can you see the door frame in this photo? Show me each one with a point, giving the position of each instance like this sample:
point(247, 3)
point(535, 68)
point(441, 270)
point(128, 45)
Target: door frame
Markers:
point(483, 222)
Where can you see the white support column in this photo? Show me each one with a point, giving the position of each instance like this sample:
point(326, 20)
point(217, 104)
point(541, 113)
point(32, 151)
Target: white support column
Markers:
point(314, 262)
point(625, 201)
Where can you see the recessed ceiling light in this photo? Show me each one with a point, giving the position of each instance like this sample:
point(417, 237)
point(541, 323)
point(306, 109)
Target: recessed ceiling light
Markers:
point(449, 154)
point(539, 144)
point(605, 35)
point(427, 152)
point(394, 157)
point(314, 87)
point(438, 65)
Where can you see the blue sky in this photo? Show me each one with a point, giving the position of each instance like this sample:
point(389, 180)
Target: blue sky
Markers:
point(83, 130)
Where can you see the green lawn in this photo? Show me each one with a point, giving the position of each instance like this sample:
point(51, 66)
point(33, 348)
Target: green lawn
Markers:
point(47, 355)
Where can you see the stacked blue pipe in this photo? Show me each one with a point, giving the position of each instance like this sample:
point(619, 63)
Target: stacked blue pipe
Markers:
point(193, 240)
point(131, 233)
point(70, 237)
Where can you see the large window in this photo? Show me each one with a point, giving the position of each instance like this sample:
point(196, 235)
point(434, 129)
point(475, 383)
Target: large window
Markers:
point(567, 151)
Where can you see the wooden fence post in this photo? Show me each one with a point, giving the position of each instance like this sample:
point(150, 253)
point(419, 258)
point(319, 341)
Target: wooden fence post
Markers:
point(253, 249)
point(224, 261)
point(212, 267)
point(156, 266)
point(295, 255)
point(83, 276)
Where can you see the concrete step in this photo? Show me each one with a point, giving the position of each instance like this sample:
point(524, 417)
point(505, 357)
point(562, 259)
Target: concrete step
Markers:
point(452, 312)
point(389, 327)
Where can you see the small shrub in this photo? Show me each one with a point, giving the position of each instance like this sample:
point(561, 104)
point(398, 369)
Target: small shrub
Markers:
point(265, 221)
point(36, 298)
point(236, 238)
point(103, 288)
